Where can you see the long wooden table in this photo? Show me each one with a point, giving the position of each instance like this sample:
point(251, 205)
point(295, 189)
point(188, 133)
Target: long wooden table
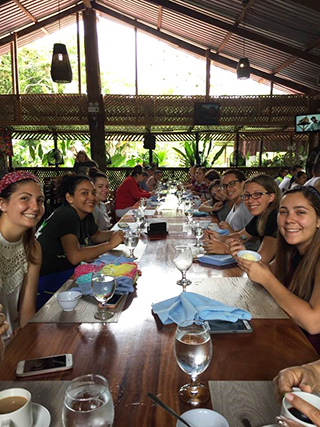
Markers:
point(136, 354)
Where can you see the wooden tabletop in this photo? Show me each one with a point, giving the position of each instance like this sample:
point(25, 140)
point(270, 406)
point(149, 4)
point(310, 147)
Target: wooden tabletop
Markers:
point(136, 354)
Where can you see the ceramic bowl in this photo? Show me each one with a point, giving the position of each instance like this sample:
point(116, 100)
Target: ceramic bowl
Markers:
point(255, 255)
point(68, 300)
point(203, 418)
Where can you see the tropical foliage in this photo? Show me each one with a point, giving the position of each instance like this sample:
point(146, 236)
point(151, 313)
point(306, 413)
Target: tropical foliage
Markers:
point(203, 155)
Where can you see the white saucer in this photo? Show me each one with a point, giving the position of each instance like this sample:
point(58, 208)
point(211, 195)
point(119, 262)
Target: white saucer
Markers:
point(41, 416)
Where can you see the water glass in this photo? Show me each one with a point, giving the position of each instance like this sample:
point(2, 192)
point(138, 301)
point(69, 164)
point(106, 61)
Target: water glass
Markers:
point(131, 240)
point(88, 402)
point(139, 218)
point(103, 287)
point(198, 233)
point(143, 203)
point(193, 353)
point(183, 261)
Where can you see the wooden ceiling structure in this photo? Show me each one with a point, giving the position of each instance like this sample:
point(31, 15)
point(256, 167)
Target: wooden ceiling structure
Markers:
point(281, 39)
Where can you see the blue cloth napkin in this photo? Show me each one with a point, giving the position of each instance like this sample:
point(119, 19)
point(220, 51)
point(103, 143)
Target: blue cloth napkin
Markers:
point(111, 259)
point(153, 198)
point(189, 306)
point(222, 231)
point(199, 213)
point(217, 260)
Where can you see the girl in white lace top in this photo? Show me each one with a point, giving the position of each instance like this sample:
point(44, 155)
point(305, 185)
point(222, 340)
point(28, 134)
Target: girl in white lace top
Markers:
point(21, 207)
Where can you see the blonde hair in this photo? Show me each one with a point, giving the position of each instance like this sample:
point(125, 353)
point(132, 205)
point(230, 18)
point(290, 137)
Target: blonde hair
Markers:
point(269, 184)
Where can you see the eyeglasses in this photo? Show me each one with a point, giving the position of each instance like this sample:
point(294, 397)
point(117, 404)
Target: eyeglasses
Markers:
point(255, 196)
point(230, 184)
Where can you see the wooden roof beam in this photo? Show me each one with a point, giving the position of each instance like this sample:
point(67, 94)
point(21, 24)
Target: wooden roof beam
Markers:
point(87, 4)
point(40, 24)
point(200, 51)
point(159, 18)
point(26, 12)
point(311, 4)
point(258, 38)
point(236, 23)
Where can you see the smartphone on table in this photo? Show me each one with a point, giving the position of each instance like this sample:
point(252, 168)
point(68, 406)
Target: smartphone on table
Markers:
point(115, 301)
point(44, 365)
point(223, 327)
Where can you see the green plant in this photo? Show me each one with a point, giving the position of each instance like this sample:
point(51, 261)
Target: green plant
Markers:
point(193, 155)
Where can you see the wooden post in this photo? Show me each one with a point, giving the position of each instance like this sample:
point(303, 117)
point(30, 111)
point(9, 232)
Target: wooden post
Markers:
point(208, 63)
point(260, 153)
point(16, 76)
point(78, 53)
point(96, 107)
point(136, 59)
point(237, 147)
point(13, 73)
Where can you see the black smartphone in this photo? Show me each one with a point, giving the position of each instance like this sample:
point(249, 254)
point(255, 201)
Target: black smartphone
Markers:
point(115, 301)
point(223, 327)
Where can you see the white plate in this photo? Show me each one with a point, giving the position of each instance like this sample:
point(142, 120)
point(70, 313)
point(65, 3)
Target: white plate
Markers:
point(271, 425)
point(41, 416)
point(203, 418)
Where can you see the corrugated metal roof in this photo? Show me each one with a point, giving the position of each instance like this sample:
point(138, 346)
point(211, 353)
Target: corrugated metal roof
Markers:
point(281, 21)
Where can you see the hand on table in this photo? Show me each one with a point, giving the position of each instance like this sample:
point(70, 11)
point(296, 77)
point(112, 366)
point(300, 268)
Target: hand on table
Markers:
point(116, 238)
point(225, 226)
point(310, 411)
point(211, 235)
point(235, 246)
point(256, 271)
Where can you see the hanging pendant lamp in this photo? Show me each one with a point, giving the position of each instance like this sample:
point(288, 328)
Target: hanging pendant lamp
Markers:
point(60, 65)
point(243, 69)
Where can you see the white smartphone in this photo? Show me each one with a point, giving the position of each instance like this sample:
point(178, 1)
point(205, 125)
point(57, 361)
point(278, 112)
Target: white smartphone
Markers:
point(44, 365)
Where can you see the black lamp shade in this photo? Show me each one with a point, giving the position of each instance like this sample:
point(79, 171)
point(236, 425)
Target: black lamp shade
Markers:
point(243, 69)
point(60, 66)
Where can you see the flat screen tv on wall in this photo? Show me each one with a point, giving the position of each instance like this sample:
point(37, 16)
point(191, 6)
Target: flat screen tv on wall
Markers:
point(206, 113)
point(305, 123)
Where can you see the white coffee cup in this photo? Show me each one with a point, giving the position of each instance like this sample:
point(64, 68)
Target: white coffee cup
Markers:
point(308, 397)
point(22, 417)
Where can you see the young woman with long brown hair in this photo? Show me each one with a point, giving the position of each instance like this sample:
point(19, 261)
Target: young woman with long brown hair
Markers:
point(293, 278)
point(21, 207)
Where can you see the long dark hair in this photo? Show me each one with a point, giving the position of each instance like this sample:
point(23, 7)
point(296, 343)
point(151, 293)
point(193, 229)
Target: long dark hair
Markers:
point(301, 280)
point(68, 184)
point(28, 238)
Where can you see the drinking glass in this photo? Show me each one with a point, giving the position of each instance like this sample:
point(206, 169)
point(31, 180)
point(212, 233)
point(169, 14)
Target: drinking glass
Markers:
point(103, 287)
point(198, 233)
point(139, 219)
point(143, 203)
point(193, 352)
point(88, 402)
point(131, 240)
point(183, 261)
point(189, 214)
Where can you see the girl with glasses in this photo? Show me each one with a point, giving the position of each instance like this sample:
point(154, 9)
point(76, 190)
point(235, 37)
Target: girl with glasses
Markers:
point(293, 278)
point(261, 197)
point(218, 205)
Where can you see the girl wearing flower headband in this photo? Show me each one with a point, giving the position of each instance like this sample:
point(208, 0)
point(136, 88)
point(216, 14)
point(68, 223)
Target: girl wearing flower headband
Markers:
point(293, 278)
point(21, 207)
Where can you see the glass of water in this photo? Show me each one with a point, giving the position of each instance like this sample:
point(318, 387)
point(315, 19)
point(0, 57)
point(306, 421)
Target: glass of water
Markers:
point(88, 402)
point(193, 352)
point(131, 240)
point(139, 218)
point(103, 286)
point(143, 203)
point(183, 261)
point(198, 233)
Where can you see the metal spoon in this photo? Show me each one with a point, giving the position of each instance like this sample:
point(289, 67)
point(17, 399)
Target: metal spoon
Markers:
point(167, 408)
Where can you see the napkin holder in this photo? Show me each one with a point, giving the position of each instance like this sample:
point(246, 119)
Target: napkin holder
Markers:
point(157, 228)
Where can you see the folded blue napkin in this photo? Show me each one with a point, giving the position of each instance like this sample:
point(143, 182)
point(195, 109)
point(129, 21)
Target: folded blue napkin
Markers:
point(217, 260)
point(153, 198)
point(189, 306)
point(199, 213)
point(222, 231)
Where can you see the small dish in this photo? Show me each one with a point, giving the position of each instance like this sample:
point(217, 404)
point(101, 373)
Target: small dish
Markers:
point(41, 416)
point(249, 255)
point(68, 300)
point(202, 417)
point(123, 225)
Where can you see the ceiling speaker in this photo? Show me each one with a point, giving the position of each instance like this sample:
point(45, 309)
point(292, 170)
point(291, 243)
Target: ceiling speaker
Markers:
point(149, 141)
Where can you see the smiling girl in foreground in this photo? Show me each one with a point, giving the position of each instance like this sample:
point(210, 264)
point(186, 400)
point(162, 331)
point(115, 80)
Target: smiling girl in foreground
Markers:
point(293, 279)
point(64, 236)
point(21, 207)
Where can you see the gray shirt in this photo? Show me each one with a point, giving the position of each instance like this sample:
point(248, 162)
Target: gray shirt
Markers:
point(238, 217)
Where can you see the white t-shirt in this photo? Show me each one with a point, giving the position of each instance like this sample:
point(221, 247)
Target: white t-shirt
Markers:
point(101, 216)
point(312, 181)
point(238, 217)
point(285, 183)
